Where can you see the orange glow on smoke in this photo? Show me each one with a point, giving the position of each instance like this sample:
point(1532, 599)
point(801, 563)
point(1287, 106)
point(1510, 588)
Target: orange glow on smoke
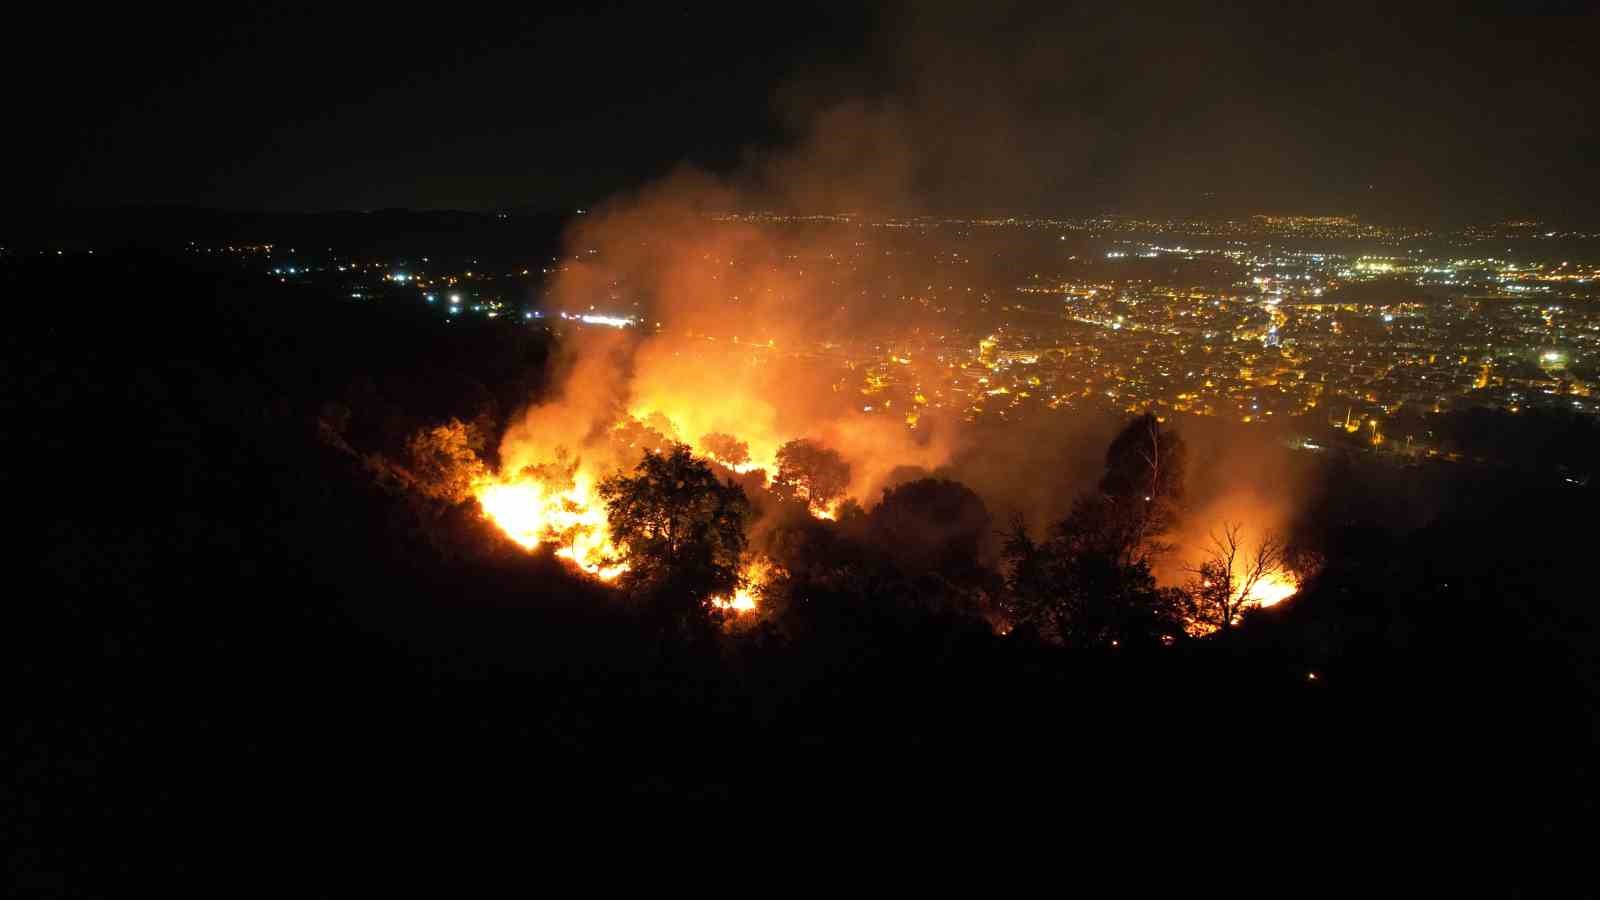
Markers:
point(695, 417)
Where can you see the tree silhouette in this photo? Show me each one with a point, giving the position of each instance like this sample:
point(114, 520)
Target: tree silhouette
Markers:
point(1089, 581)
point(1074, 587)
point(931, 525)
point(1143, 487)
point(811, 472)
point(683, 530)
point(1222, 587)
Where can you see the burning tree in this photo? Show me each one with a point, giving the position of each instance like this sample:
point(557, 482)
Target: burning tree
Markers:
point(811, 472)
point(632, 437)
point(443, 461)
point(1234, 579)
point(683, 530)
point(726, 448)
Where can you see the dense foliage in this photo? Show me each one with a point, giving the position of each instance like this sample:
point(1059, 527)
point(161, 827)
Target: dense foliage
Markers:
point(811, 472)
point(684, 530)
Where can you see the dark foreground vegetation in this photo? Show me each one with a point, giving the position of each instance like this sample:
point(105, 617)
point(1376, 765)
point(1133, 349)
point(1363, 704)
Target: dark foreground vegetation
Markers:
point(231, 639)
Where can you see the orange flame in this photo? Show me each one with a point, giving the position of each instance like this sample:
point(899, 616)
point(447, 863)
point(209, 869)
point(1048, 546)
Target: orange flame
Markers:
point(1273, 588)
point(532, 513)
point(752, 578)
point(829, 512)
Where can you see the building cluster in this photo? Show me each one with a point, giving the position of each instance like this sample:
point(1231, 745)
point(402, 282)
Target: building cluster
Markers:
point(1323, 321)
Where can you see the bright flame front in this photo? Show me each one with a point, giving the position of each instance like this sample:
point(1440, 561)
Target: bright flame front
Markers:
point(532, 513)
point(1273, 588)
point(752, 578)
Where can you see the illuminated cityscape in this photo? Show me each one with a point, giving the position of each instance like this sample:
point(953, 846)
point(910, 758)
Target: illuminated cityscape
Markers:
point(1350, 334)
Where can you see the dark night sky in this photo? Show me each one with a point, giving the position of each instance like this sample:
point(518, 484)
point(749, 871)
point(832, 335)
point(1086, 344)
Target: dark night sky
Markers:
point(1483, 110)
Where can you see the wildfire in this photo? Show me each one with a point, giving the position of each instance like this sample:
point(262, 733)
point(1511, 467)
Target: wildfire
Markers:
point(745, 468)
point(752, 577)
point(1270, 589)
point(532, 512)
point(1273, 588)
point(763, 455)
point(541, 498)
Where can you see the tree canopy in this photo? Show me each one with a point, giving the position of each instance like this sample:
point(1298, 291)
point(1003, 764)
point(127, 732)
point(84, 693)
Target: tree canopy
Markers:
point(811, 472)
point(1088, 581)
point(931, 525)
point(1070, 588)
point(683, 528)
point(443, 461)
